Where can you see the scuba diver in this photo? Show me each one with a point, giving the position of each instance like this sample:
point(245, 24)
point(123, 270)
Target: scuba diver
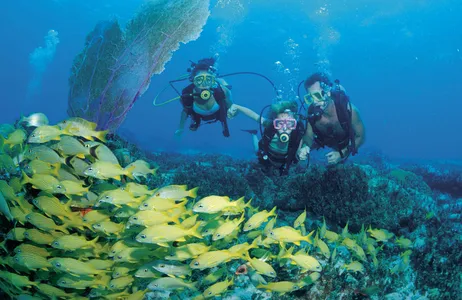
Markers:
point(207, 98)
point(281, 138)
point(333, 121)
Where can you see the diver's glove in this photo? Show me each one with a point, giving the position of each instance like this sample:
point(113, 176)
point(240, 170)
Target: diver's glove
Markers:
point(232, 111)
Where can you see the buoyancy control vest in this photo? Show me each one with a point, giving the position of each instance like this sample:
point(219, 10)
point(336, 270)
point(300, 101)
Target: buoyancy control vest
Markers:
point(187, 101)
point(265, 155)
point(344, 115)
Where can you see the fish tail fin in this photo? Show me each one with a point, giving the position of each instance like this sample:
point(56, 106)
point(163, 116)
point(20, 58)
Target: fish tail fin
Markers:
point(94, 241)
point(25, 178)
point(194, 230)
point(63, 229)
point(176, 219)
point(272, 212)
point(56, 168)
point(129, 172)
point(101, 135)
point(193, 192)
point(308, 238)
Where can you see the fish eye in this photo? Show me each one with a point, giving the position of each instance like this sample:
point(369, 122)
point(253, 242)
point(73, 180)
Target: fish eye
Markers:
point(16, 259)
point(63, 281)
point(158, 194)
point(196, 263)
point(90, 169)
point(200, 205)
point(28, 217)
point(59, 186)
point(156, 285)
point(135, 218)
point(162, 266)
point(210, 293)
point(119, 257)
point(112, 286)
point(58, 265)
point(271, 273)
point(18, 250)
point(272, 233)
point(55, 244)
point(145, 205)
point(107, 197)
point(218, 235)
point(143, 236)
point(97, 225)
point(145, 270)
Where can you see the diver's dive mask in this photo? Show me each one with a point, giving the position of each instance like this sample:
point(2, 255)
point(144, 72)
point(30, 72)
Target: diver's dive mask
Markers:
point(289, 123)
point(321, 96)
point(204, 81)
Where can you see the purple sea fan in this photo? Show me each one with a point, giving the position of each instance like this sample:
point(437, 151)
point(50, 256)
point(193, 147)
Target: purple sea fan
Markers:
point(115, 67)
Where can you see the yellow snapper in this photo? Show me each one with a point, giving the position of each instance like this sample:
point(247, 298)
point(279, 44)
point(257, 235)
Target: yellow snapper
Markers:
point(17, 137)
point(43, 153)
point(28, 248)
point(188, 251)
point(45, 183)
point(7, 164)
point(140, 168)
point(73, 242)
point(167, 283)
point(17, 280)
point(227, 228)
point(35, 120)
point(288, 234)
point(300, 221)
point(70, 146)
point(281, 287)
point(134, 255)
point(215, 204)
point(53, 292)
point(354, 266)
point(74, 188)
point(147, 271)
point(307, 262)
point(380, 235)
point(42, 167)
point(73, 267)
point(44, 223)
point(4, 208)
point(83, 128)
point(322, 246)
point(101, 152)
point(39, 237)
point(161, 234)
point(122, 270)
point(160, 204)
point(96, 216)
point(108, 227)
point(403, 242)
point(259, 218)
point(137, 189)
point(176, 192)
point(107, 170)
point(218, 288)
point(150, 217)
point(213, 258)
point(68, 281)
point(172, 269)
point(121, 282)
point(261, 266)
point(17, 213)
point(46, 133)
point(101, 264)
point(52, 206)
point(32, 261)
point(16, 234)
point(118, 198)
point(78, 165)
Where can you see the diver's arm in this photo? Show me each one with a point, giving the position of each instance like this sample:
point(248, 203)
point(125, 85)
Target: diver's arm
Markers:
point(228, 97)
point(183, 118)
point(249, 113)
point(303, 151)
point(358, 129)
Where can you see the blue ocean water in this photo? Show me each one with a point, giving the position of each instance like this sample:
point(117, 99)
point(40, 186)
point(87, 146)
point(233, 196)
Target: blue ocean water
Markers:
point(401, 65)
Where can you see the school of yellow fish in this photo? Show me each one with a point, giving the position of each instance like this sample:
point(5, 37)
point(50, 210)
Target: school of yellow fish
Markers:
point(83, 226)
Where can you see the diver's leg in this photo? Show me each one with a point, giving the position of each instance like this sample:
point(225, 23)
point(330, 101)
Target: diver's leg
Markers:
point(196, 121)
point(255, 142)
